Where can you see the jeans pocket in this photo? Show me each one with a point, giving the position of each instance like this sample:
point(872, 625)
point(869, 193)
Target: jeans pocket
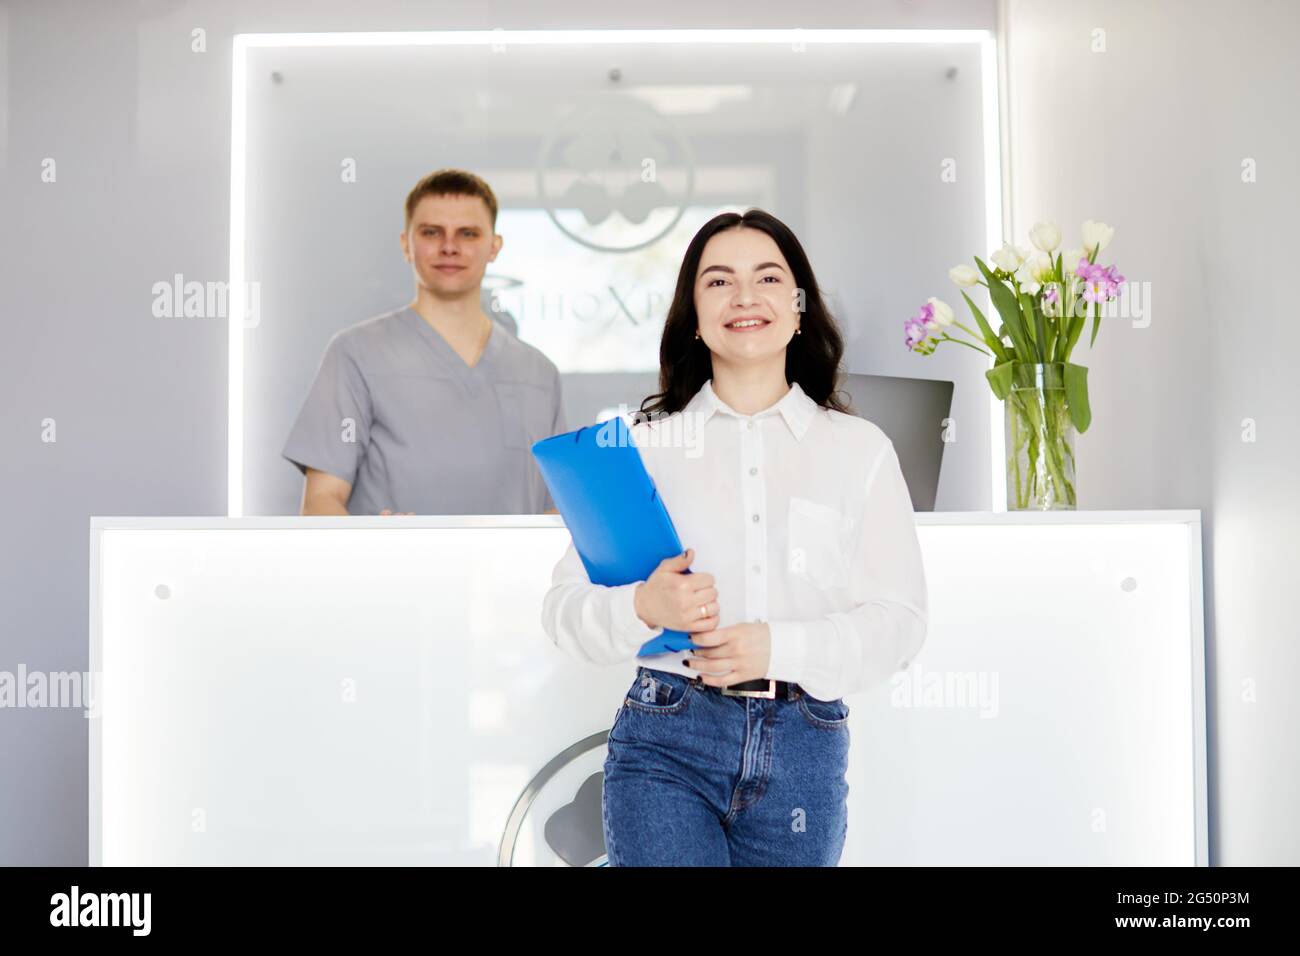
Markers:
point(658, 692)
point(824, 714)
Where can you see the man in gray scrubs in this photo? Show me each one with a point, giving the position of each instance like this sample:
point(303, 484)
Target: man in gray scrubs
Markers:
point(432, 408)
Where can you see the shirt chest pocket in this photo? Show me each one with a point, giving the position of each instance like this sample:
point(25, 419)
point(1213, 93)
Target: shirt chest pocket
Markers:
point(817, 537)
point(525, 414)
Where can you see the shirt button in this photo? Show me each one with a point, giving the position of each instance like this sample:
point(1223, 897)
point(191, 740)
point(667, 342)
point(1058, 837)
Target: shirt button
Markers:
point(755, 518)
point(749, 425)
point(757, 568)
point(753, 471)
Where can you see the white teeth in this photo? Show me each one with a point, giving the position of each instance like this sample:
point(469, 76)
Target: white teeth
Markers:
point(744, 323)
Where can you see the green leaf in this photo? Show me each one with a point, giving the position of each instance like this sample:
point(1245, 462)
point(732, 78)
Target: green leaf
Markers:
point(1000, 379)
point(1076, 396)
point(991, 340)
point(1027, 315)
point(1034, 320)
point(1077, 322)
point(1096, 323)
point(1005, 301)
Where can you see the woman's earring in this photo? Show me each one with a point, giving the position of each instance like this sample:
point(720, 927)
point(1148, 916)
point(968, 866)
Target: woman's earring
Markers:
point(697, 333)
point(798, 331)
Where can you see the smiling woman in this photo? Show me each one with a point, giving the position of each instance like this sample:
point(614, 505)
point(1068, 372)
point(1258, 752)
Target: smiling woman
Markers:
point(807, 582)
point(756, 256)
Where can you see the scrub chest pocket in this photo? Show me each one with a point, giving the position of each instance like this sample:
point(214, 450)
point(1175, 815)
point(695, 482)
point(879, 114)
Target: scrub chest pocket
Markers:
point(526, 414)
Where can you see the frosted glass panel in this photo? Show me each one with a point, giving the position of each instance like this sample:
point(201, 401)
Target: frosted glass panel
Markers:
point(295, 691)
point(605, 159)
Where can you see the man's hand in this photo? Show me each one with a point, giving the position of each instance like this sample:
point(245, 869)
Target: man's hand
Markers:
point(732, 655)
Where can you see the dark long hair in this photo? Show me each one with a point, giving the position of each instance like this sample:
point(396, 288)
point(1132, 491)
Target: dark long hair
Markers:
point(685, 363)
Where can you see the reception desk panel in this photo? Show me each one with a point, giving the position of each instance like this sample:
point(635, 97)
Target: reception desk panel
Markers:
point(380, 690)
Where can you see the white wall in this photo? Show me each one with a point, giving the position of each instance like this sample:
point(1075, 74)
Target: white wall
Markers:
point(1150, 136)
point(1247, 247)
point(139, 128)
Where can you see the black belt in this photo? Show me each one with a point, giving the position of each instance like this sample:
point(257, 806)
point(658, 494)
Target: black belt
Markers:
point(760, 687)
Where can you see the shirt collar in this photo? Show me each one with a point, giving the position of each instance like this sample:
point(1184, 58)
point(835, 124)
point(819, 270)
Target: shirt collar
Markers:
point(795, 407)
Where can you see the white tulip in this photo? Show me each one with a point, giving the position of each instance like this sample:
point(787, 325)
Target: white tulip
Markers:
point(1096, 236)
point(1070, 260)
point(1024, 275)
point(1040, 266)
point(1008, 258)
point(964, 275)
point(942, 311)
point(1034, 271)
point(1045, 236)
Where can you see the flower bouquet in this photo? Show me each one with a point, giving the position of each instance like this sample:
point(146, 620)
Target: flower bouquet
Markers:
point(1044, 303)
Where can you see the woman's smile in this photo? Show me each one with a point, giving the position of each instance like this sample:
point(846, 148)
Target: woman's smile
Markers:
point(747, 324)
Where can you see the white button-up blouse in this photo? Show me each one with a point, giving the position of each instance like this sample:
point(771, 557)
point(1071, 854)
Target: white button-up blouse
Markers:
point(801, 515)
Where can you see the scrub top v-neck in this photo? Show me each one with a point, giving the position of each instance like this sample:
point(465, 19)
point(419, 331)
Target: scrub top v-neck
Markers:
point(396, 411)
point(456, 367)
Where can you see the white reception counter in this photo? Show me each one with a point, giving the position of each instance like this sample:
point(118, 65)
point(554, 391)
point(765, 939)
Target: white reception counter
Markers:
point(379, 690)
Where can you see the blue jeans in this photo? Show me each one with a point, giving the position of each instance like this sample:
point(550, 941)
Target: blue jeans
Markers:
point(693, 778)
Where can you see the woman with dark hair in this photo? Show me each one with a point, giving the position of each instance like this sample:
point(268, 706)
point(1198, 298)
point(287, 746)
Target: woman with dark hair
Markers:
point(810, 583)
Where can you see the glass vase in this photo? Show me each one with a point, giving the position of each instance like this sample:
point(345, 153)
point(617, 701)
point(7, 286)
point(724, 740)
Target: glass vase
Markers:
point(1039, 440)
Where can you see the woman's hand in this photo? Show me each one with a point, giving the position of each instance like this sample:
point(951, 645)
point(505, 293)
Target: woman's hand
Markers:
point(732, 655)
point(676, 601)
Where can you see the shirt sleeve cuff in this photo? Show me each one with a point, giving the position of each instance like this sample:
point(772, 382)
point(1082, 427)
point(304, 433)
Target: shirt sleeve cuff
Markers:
point(303, 457)
point(789, 650)
point(632, 632)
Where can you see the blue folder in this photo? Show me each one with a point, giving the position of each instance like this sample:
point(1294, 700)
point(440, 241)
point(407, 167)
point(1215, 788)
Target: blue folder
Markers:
point(609, 502)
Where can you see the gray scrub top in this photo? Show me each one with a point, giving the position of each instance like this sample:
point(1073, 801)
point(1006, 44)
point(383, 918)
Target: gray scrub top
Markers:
point(394, 410)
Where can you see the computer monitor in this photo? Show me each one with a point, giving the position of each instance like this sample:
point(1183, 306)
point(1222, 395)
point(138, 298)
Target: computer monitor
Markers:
point(911, 411)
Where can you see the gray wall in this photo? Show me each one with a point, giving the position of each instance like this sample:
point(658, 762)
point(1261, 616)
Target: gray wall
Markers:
point(1187, 90)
